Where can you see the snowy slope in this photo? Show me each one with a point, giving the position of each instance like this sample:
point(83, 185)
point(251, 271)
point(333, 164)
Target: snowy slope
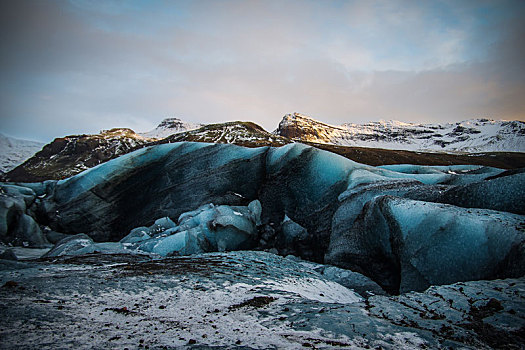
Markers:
point(14, 152)
point(169, 126)
point(476, 135)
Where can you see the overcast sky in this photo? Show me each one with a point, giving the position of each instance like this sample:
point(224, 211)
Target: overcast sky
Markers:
point(80, 66)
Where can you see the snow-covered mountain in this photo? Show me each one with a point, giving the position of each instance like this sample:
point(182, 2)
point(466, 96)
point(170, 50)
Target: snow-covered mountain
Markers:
point(168, 127)
point(475, 135)
point(14, 152)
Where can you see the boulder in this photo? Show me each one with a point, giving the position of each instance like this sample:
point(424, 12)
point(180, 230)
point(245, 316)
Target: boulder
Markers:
point(8, 254)
point(81, 244)
point(73, 245)
point(359, 283)
point(292, 239)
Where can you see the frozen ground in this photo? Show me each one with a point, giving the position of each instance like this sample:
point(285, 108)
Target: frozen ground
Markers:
point(239, 300)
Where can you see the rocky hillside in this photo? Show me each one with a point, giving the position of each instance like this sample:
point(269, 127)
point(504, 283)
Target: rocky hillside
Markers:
point(70, 155)
point(15, 151)
point(477, 135)
point(245, 134)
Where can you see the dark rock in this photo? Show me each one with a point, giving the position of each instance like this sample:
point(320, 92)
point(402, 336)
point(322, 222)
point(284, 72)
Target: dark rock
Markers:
point(10, 284)
point(54, 237)
point(72, 244)
point(359, 283)
point(8, 254)
point(292, 239)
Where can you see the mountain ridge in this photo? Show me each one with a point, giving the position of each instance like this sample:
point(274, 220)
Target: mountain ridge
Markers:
point(70, 155)
point(474, 135)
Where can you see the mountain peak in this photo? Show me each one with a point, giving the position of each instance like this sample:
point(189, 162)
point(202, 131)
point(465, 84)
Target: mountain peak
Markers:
point(247, 134)
point(170, 126)
point(170, 123)
point(304, 128)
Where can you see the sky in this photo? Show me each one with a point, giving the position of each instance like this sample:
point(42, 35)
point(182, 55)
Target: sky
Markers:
point(80, 66)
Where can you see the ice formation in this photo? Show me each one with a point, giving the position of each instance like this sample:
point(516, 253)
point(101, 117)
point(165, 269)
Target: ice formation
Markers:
point(410, 245)
point(209, 228)
point(293, 199)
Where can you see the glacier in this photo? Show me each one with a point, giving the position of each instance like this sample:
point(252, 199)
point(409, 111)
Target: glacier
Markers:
point(209, 228)
point(187, 198)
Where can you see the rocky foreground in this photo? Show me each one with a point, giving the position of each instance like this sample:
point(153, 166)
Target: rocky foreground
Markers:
point(242, 300)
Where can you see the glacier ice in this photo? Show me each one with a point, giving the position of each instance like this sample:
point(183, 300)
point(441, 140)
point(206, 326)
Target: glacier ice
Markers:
point(209, 228)
point(81, 244)
point(505, 192)
point(28, 233)
point(161, 225)
point(159, 181)
point(420, 243)
point(309, 203)
point(138, 234)
point(16, 225)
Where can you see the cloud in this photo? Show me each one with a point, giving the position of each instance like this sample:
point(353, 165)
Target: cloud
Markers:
point(81, 66)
